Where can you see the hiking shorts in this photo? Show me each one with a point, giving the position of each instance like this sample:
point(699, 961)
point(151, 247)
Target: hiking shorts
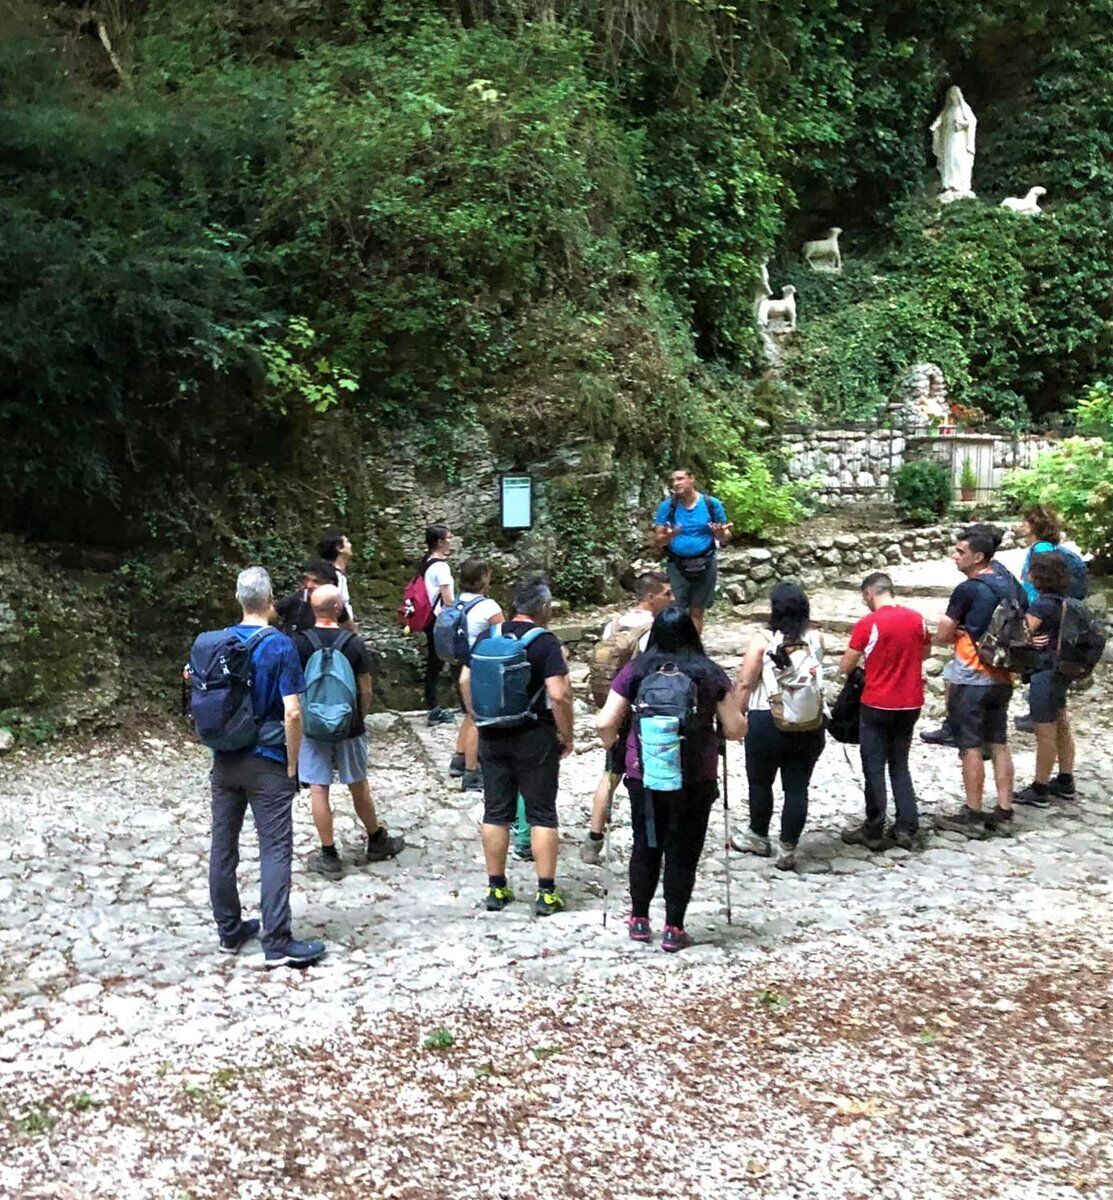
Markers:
point(979, 715)
point(693, 591)
point(323, 763)
point(526, 763)
point(1047, 696)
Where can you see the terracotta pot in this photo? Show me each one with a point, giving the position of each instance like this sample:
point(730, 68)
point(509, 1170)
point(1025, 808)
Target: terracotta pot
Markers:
point(968, 493)
point(946, 430)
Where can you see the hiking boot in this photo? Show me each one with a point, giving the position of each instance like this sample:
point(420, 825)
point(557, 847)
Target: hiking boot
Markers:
point(639, 929)
point(674, 939)
point(752, 843)
point(522, 850)
point(472, 781)
point(1063, 789)
point(456, 766)
point(866, 835)
point(1035, 795)
point(440, 716)
point(328, 865)
point(591, 851)
point(998, 819)
point(1024, 724)
point(547, 903)
point(903, 838)
point(498, 898)
point(939, 737)
point(239, 939)
point(382, 846)
point(786, 860)
point(294, 954)
point(965, 820)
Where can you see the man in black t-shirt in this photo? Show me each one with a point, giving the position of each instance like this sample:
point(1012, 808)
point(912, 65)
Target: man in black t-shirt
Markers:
point(525, 759)
point(295, 612)
point(319, 763)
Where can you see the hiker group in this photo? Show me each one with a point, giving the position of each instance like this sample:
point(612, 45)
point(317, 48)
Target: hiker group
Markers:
point(281, 697)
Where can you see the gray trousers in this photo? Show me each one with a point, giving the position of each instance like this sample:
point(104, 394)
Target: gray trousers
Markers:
point(238, 781)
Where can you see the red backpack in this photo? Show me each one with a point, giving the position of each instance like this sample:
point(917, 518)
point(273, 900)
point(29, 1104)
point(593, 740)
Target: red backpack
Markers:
point(415, 613)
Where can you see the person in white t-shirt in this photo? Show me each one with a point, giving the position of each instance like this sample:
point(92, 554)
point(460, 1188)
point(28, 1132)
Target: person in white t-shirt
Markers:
point(654, 593)
point(335, 548)
point(440, 588)
point(483, 614)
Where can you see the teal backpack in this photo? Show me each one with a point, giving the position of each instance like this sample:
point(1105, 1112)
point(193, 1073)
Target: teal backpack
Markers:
point(331, 700)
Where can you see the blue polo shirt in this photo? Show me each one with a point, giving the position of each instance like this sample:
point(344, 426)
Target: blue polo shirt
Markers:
point(695, 536)
point(275, 672)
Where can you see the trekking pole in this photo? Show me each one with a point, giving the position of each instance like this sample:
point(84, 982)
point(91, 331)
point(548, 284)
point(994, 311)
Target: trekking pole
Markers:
point(726, 822)
point(606, 862)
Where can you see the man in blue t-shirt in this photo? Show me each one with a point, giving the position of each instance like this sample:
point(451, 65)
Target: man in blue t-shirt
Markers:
point(264, 778)
point(690, 526)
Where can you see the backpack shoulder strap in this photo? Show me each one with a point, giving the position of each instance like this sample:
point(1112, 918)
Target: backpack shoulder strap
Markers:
point(471, 604)
point(345, 638)
point(532, 635)
point(671, 518)
point(313, 638)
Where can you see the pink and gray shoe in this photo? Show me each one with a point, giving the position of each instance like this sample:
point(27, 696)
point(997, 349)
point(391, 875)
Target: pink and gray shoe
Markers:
point(674, 939)
point(638, 929)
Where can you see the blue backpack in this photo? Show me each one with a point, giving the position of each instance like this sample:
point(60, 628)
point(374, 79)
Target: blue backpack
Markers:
point(220, 688)
point(1079, 576)
point(331, 700)
point(500, 674)
point(450, 631)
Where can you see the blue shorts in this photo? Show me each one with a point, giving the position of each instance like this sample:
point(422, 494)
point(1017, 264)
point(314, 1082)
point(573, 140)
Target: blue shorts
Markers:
point(1047, 697)
point(323, 763)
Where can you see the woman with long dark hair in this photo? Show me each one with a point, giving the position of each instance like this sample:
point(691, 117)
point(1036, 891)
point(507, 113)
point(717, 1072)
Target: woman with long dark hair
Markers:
point(770, 746)
point(440, 588)
point(670, 827)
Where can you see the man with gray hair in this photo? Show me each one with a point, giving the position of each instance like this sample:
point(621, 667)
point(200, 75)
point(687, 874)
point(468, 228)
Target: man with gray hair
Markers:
point(262, 777)
point(521, 753)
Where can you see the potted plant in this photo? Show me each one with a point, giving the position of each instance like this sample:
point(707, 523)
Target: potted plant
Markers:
point(967, 480)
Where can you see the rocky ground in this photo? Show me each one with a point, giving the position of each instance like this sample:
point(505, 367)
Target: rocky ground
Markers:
point(925, 1024)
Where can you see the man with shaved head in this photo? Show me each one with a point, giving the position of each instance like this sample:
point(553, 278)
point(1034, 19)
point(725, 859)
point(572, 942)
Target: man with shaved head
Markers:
point(322, 763)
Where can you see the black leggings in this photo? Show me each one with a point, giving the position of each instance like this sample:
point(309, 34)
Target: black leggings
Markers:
point(433, 665)
point(681, 827)
point(769, 750)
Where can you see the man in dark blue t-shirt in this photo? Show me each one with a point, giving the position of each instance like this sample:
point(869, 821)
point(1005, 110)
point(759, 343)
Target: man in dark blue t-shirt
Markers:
point(689, 526)
point(264, 778)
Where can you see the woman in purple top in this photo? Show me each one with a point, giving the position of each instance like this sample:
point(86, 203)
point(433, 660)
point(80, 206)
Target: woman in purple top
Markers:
point(680, 818)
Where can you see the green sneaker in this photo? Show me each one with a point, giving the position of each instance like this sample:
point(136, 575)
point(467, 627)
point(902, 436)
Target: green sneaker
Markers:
point(547, 903)
point(498, 898)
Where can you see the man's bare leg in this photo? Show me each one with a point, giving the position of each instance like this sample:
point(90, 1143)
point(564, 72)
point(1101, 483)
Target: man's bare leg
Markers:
point(545, 844)
point(364, 806)
point(973, 777)
point(602, 802)
point(496, 842)
point(697, 615)
point(322, 812)
point(1004, 775)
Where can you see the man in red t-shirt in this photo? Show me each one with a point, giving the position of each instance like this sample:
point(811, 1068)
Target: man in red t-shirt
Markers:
point(894, 641)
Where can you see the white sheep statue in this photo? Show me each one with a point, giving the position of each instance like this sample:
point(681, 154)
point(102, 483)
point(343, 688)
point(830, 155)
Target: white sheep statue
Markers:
point(823, 254)
point(1029, 204)
point(782, 310)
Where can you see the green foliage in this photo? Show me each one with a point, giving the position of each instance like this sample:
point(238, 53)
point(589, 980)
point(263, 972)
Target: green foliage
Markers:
point(922, 490)
point(755, 503)
point(578, 571)
point(440, 1039)
point(1076, 477)
point(967, 479)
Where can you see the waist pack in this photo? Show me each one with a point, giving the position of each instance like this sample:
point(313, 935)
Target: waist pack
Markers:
point(220, 679)
point(415, 613)
point(331, 700)
point(608, 657)
point(842, 724)
point(1081, 642)
point(450, 631)
point(500, 675)
point(793, 677)
point(1006, 644)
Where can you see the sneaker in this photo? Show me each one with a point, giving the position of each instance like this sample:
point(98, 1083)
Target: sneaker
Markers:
point(380, 848)
point(243, 935)
point(674, 939)
point(1024, 724)
point(440, 716)
point(328, 865)
point(965, 820)
point(903, 838)
point(472, 781)
point(522, 851)
point(866, 835)
point(591, 851)
point(1062, 790)
point(998, 820)
point(498, 898)
point(938, 737)
point(547, 903)
point(786, 860)
point(294, 954)
point(456, 766)
point(752, 843)
point(1033, 796)
point(639, 929)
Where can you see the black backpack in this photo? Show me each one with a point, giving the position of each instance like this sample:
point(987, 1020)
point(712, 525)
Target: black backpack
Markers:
point(664, 696)
point(1006, 643)
point(842, 724)
point(220, 688)
point(1081, 641)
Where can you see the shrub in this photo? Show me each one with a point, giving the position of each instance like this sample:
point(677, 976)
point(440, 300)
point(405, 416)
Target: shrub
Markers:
point(922, 490)
point(755, 502)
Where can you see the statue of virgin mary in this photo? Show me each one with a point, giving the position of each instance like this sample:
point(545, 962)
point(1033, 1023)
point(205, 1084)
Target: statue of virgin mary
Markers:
point(952, 142)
